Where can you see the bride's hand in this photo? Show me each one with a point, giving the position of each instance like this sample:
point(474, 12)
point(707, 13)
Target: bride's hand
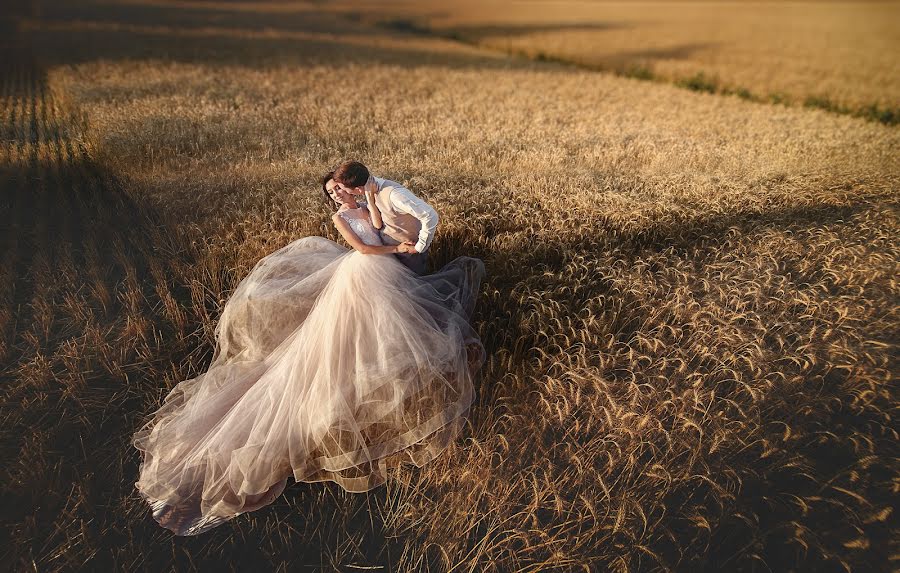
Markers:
point(407, 248)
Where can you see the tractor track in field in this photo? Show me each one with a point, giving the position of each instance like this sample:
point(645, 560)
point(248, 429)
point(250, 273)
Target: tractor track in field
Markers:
point(86, 328)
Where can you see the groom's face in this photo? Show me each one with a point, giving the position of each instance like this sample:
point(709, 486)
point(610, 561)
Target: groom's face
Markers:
point(361, 190)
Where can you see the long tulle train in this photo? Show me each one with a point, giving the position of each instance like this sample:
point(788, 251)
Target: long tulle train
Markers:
point(329, 365)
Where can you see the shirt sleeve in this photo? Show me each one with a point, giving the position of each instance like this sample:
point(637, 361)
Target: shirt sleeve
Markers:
point(404, 201)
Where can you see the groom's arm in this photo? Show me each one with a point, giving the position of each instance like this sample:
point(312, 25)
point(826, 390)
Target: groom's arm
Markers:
point(403, 200)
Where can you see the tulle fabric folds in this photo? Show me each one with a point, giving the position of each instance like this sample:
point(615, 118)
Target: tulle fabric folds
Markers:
point(329, 365)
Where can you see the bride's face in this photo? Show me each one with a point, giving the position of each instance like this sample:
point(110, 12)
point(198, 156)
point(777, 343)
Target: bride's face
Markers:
point(337, 193)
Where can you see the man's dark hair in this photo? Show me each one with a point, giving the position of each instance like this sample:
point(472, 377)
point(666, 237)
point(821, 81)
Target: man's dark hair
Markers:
point(325, 179)
point(351, 173)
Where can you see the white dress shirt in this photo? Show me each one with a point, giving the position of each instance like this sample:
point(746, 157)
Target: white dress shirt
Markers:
point(403, 200)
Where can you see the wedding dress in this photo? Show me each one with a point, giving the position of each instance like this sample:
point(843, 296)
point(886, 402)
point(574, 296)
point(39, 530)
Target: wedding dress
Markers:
point(329, 364)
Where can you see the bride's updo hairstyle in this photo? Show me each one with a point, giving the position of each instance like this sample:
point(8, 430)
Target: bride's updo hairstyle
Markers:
point(351, 174)
point(325, 179)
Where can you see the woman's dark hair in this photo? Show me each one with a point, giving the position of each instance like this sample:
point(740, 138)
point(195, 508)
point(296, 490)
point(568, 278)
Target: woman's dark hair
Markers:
point(325, 179)
point(351, 173)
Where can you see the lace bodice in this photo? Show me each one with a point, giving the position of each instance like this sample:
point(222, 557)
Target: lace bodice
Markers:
point(361, 224)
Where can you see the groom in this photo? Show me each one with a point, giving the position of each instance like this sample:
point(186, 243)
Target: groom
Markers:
point(405, 217)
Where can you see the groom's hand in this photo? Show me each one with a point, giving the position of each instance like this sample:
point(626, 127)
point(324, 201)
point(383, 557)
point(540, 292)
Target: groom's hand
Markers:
point(408, 248)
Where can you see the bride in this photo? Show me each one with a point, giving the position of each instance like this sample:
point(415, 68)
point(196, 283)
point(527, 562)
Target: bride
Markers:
point(330, 364)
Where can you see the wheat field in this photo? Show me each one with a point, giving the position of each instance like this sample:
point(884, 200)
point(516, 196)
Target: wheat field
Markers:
point(690, 310)
point(839, 56)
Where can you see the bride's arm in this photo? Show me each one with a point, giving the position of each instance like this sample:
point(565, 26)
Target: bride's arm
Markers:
point(374, 212)
point(353, 239)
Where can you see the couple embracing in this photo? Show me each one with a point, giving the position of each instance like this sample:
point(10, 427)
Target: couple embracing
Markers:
point(402, 219)
point(330, 364)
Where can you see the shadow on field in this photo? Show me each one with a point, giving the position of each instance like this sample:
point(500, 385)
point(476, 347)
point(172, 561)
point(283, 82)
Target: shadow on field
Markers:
point(76, 264)
point(540, 266)
point(801, 389)
point(679, 52)
point(78, 33)
point(99, 315)
point(295, 17)
point(682, 235)
point(291, 17)
point(478, 33)
point(103, 309)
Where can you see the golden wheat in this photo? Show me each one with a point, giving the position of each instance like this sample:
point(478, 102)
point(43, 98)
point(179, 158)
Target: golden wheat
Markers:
point(828, 54)
point(688, 311)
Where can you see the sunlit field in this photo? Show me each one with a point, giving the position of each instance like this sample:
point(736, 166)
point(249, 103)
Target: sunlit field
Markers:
point(690, 309)
point(840, 56)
